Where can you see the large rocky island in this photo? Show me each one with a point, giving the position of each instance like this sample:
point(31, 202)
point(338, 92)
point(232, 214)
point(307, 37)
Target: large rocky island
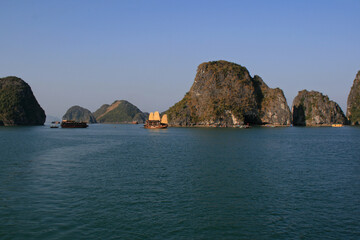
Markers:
point(315, 109)
point(79, 114)
point(18, 105)
point(120, 111)
point(224, 94)
point(353, 102)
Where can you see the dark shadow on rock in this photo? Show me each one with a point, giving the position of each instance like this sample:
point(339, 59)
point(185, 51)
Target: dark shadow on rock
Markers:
point(299, 116)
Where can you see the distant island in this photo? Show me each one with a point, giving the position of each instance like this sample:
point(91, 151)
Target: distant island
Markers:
point(120, 111)
point(79, 114)
point(223, 94)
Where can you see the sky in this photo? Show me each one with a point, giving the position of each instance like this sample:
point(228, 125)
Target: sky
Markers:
point(90, 53)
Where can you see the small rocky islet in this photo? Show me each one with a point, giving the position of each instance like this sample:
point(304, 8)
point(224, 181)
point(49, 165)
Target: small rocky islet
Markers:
point(315, 109)
point(79, 114)
point(223, 94)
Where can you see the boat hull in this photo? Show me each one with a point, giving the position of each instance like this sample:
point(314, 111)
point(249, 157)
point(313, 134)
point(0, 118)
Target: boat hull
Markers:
point(155, 127)
point(73, 124)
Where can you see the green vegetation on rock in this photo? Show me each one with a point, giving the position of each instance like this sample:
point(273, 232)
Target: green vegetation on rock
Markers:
point(79, 114)
point(120, 111)
point(18, 105)
point(101, 110)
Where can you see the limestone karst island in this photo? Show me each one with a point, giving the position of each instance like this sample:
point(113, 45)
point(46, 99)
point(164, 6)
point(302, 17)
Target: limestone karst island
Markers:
point(18, 105)
point(158, 119)
point(223, 94)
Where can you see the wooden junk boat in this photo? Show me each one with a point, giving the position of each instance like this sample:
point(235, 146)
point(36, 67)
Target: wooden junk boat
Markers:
point(73, 124)
point(154, 121)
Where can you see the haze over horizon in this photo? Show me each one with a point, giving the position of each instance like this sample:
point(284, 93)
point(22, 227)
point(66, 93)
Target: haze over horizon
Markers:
point(90, 53)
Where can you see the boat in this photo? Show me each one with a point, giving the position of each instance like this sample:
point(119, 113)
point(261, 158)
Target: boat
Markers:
point(337, 125)
point(73, 124)
point(155, 122)
point(54, 124)
point(134, 122)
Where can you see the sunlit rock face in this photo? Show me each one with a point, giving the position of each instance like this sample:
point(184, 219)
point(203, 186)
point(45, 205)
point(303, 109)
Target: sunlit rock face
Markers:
point(353, 102)
point(315, 109)
point(224, 94)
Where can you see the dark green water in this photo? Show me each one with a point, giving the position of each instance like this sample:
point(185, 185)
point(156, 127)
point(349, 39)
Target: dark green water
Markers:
point(126, 182)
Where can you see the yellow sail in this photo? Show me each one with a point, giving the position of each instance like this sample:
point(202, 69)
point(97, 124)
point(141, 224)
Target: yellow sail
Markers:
point(151, 116)
point(164, 119)
point(156, 116)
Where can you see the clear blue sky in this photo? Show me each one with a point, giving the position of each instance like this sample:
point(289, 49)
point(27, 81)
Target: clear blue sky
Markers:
point(89, 53)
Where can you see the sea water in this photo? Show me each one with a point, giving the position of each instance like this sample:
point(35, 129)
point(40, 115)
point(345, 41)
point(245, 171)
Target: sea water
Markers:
point(127, 182)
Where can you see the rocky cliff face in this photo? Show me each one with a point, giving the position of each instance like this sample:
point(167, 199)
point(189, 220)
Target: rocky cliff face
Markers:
point(79, 114)
point(224, 94)
point(315, 109)
point(120, 111)
point(273, 105)
point(353, 102)
point(18, 105)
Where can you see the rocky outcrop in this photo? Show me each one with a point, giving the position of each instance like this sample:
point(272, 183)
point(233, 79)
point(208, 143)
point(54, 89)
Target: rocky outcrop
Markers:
point(224, 94)
point(18, 105)
point(274, 109)
point(353, 102)
point(79, 114)
point(315, 109)
point(120, 111)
